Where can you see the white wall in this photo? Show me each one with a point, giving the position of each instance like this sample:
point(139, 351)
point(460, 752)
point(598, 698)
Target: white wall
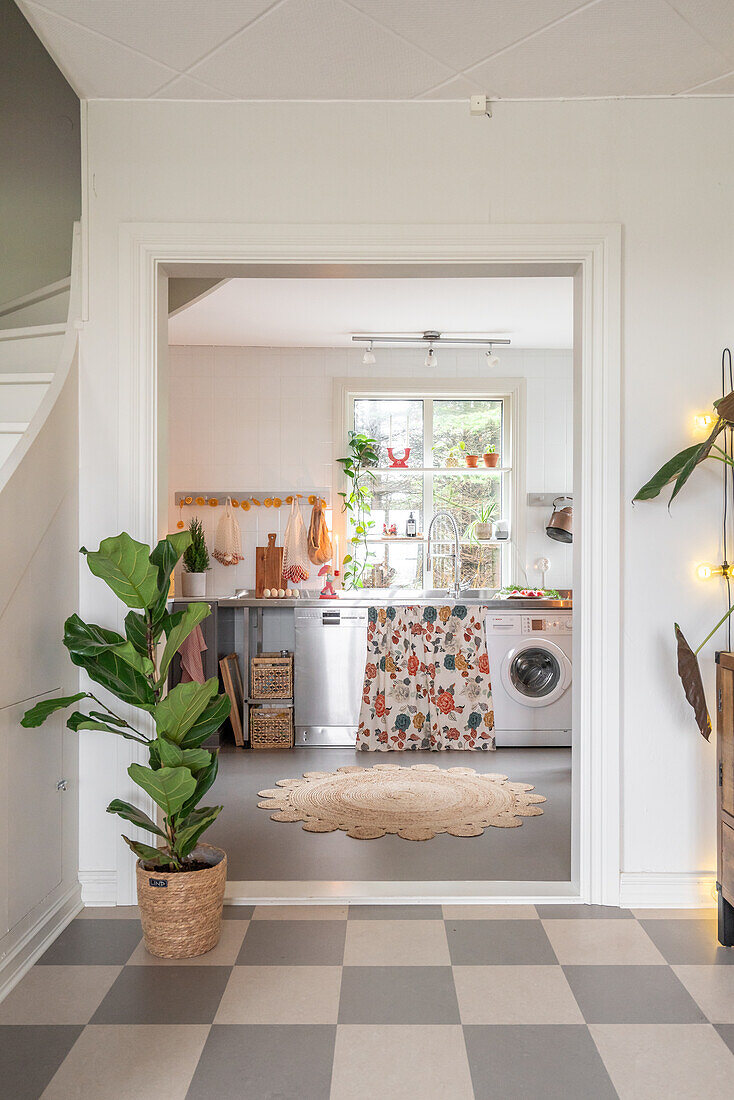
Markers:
point(661, 168)
point(262, 419)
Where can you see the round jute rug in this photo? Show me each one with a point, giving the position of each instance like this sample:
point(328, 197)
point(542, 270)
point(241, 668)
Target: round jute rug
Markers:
point(414, 802)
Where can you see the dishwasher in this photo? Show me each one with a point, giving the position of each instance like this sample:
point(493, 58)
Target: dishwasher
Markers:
point(331, 648)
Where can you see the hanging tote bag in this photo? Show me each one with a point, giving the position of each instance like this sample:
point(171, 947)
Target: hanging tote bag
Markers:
point(319, 543)
point(295, 549)
point(228, 539)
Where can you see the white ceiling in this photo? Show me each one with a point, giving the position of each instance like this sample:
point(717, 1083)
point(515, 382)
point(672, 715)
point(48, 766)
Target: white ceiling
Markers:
point(534, 312)
point(388, 49)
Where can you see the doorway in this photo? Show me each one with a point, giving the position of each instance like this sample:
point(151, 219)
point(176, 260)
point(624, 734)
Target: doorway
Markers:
point(594, 864)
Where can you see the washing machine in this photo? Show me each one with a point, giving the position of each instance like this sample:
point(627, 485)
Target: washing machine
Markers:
point(530, 668)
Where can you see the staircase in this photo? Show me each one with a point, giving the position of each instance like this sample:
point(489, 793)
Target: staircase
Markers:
point(32, 335)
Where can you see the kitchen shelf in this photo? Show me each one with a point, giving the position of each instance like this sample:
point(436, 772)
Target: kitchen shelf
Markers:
point(440, 469)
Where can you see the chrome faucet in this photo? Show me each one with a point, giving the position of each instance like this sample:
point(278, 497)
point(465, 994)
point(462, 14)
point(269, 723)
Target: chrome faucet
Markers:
point(454, 591)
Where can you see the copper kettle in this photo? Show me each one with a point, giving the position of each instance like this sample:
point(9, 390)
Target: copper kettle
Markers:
point(560, 525)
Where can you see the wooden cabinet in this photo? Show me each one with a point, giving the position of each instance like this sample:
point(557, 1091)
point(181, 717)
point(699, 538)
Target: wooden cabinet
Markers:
point(725, 800)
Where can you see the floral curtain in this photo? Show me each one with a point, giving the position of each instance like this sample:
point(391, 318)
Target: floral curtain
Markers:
point(426, 683)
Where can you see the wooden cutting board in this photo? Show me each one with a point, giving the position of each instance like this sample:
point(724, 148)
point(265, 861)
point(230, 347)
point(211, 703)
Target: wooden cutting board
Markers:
point(268, 566)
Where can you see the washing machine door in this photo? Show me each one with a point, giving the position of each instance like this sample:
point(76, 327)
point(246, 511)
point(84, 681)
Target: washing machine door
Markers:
point(536, 672)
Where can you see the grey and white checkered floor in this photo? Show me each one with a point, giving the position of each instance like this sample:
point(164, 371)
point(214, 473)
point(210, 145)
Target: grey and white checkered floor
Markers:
point(389, 1001)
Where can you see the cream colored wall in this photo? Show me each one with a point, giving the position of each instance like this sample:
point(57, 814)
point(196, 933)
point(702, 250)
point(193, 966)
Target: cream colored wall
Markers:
point(661, 168)
point(262, 419)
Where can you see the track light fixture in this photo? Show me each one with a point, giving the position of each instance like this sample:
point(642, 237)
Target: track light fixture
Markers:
point(430, 337)
point(492, 359)
point(431, 359)
point(369, 356)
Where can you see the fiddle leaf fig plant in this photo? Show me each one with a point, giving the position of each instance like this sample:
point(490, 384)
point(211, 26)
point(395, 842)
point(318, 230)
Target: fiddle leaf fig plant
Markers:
point(133, 668)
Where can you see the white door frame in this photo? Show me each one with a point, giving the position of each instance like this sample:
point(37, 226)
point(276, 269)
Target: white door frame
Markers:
point(594, 252)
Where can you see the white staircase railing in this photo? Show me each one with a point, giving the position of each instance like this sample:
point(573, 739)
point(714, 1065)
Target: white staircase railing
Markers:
point(34, 361)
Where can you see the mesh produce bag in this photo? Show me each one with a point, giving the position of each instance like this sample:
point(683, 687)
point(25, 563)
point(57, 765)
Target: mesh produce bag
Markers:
point(295, 547)
point(228, 540)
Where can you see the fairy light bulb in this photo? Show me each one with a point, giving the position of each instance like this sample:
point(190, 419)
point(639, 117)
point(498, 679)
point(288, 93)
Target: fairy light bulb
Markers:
point(703, 422)
point(704, 571)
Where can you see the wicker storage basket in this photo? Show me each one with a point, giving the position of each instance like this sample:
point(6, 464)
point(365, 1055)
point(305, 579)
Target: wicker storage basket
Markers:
point(183, 917)
point(271, 676)
point(271, 728)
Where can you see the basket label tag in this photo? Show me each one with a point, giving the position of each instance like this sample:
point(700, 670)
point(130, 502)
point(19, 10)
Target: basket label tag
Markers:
point(158, 882)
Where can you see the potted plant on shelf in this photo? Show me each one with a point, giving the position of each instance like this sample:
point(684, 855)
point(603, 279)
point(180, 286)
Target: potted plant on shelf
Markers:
point(195, 562)
point(180, 880)
point(480, 529)
point(490, 456)
point(455, 454)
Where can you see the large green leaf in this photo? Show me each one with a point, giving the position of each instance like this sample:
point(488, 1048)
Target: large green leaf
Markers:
point(78, 721)
point(168, 787)
point(164, 558)
point(89, 640)
point(666, 474)
point(153, 856)
point(134, 815)
point(204, 780)
point(38, 714)
point(188, 832)
point(136, 630)
point(704, 449)
point(124, 565)
point(114, 673)
point(208, 722)
point(176, 634)
point(178, 712)
point(171, 756)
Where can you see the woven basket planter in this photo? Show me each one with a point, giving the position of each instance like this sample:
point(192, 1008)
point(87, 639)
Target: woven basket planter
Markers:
point(181, 911)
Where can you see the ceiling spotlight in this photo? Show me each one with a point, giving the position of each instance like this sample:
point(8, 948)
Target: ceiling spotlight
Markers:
point(369, 356)
point(431, 358)
point(492, 359)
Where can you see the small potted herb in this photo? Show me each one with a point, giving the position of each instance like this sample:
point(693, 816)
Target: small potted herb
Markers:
point(195, 562)
point(455, 454)
point(480, 529)
point(490, 456)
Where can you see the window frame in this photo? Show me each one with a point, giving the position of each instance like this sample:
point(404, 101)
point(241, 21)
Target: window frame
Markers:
point(511, 391)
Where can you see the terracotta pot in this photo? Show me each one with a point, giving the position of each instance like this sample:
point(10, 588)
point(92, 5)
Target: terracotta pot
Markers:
point(193, 584)
point(181, 911)
point(491, 459)
point(472, 460)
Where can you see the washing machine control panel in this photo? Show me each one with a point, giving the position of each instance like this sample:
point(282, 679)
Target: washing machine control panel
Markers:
point(546, 624)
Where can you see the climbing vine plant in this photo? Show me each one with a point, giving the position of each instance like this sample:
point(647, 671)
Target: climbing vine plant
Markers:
point(357, 503)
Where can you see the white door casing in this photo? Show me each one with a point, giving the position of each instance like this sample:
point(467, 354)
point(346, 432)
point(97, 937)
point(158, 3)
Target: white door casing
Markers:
point(150, 251)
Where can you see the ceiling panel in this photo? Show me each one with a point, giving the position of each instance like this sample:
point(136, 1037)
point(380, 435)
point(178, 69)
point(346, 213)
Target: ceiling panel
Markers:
point(175, 32)
point(94, 65)
point(644, 49)
point(464, 32)
point(185, 87)
point(535, 312)
point(713, 19)
point(388, 49)
point(319, 49)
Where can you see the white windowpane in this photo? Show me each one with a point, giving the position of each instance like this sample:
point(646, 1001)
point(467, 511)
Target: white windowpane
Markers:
point(475, 424)
point(394, 423)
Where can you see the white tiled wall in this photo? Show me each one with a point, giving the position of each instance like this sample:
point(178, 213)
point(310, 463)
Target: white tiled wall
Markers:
point(261, 419)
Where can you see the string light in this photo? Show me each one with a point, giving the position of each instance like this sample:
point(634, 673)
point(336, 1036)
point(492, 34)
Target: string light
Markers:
point(703, 422)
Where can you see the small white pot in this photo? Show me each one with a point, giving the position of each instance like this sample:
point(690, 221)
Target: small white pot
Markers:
point(193, 584)
point(483, 531)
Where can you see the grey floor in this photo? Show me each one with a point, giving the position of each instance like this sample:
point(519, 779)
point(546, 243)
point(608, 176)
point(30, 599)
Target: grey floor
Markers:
point(402, 1002)
point(259, 849)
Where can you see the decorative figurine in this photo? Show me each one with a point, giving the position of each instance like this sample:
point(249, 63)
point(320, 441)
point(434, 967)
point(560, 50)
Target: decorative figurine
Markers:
point(327, 592)
point(398, 463)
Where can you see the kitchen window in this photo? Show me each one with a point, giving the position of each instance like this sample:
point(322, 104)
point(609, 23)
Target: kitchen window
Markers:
point(439, 430)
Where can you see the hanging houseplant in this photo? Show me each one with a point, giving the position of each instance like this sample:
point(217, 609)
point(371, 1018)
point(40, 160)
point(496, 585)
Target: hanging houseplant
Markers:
point(180, 881)
point(678, 470)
